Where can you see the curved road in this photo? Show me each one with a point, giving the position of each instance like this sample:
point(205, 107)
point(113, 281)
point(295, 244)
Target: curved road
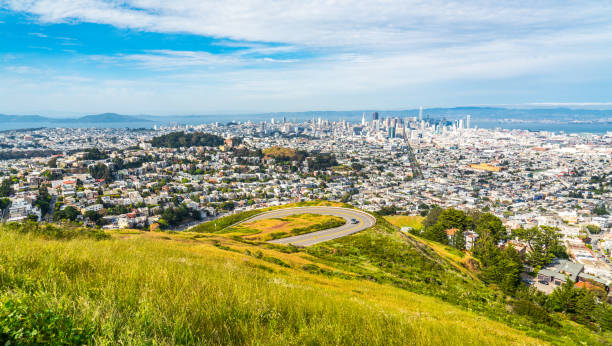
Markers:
point(364, 221)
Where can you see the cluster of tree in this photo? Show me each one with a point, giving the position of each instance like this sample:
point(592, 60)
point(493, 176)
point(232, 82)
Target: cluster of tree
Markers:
point(6, 188)
point(95, 154)
point(94, 217)
point(119, 209)
point(321, 161)
point(502, 267)
point(174, 216)
point(13, 155)
point(52, 176)
point(43, 202)
point(593, 229)
point(52, 163)
point(543, 244)
point(585, 306)
point(283, 154)
point(437, 223)
point(101, 171)
point(68, 213)
point(439, 220)
point(4, 203)
point(181, 139)
point(388, 210)
point(575, 194)
point(243, 151)
point(119, 163)
point(600, 210)
point(499, 267)
point(580, 304)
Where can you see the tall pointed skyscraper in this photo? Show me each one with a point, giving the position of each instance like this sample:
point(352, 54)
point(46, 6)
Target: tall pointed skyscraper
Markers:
point(420, 113)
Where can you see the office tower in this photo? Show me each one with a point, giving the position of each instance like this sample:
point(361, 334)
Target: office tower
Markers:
point(467, 121)
point(375, 116)
point(363, 119)
point(420, 113)
point(391, 132)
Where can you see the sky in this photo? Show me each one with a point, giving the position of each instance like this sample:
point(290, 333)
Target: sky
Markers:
point(158, 57)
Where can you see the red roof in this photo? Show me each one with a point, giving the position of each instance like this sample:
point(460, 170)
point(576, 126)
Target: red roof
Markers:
point(69, 182)
point(451, 231)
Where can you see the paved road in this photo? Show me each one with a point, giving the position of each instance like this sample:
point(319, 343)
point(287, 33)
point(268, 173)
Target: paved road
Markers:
point(364, 221)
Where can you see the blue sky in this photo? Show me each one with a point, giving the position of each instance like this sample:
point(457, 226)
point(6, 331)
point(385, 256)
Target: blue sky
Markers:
point(70, 57)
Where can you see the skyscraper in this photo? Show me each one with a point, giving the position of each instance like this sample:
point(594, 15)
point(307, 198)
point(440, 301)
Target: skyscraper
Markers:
point(375, 116)
point(420, 113)
point(363, 119)
point(467, 121)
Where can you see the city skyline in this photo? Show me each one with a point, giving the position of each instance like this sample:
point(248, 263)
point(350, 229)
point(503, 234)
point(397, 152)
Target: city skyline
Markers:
point(191, 57)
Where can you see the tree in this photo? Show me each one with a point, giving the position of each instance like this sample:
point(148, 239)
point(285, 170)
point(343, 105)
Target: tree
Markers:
point(600, 210)
point(500, 267)
point(436, 233)
point(94, 217)
point(43, 202)
point(100, 171)
point(6, 188)
point(388, 210)
point(52, 163)
point(452, 218)
point(488, 222)
point(94, 154)
point(432, 217)
point(4, 203)
point(68, 213)
point(543, 243)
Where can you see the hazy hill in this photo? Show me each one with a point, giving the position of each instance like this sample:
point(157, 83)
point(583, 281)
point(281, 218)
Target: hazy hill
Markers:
point(109, 117)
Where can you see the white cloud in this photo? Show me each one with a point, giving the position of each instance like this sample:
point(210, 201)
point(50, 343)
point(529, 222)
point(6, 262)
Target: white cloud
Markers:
point(22, 69)
point(342, 53)
point(321, 23)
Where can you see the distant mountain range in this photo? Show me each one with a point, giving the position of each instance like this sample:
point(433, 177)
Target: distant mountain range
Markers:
point(482, 116)
point(89, 119)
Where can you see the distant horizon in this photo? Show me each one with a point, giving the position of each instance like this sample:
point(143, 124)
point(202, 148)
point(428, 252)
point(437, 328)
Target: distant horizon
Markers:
point(602, 106)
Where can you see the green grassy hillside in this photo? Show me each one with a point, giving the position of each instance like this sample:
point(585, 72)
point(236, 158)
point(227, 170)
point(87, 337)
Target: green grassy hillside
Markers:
point(375, 287)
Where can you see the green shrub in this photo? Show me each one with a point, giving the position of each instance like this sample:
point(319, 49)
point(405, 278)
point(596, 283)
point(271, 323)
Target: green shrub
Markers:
point(275, 261)
point(535, 312)
point(29, 320)
point(49, 231)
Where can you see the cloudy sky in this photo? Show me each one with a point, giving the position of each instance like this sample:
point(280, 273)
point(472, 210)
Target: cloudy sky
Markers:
point(66, 57)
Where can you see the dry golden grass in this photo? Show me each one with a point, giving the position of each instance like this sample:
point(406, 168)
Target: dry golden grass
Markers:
point(170, 289)
point(267, 229)
point(414, 221)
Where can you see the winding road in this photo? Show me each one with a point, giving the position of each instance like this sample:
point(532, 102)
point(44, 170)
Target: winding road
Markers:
point(364, 221)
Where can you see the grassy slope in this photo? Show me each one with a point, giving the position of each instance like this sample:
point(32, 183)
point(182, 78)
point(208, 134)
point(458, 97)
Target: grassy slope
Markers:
point(459, 260)
point(375, 287)
point(170, 289)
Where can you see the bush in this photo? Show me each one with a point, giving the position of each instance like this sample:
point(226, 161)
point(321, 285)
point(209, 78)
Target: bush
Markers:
point(276, 261)
point(535, 312)
point(49, 231)
point(28, 321)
